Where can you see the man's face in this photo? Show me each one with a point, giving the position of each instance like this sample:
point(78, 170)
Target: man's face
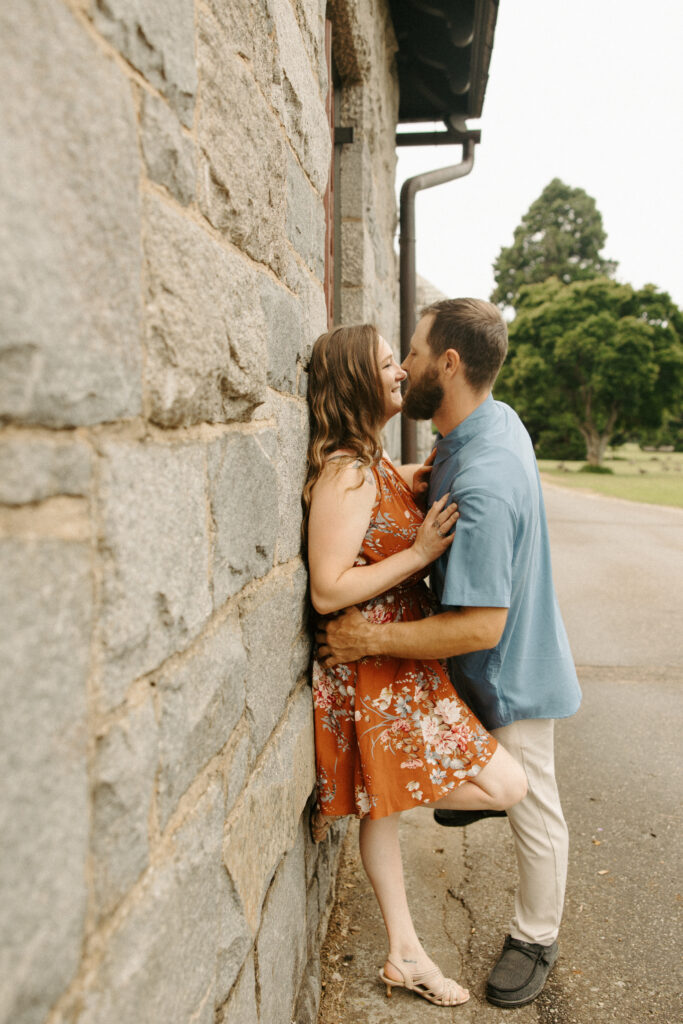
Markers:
point(424, 393)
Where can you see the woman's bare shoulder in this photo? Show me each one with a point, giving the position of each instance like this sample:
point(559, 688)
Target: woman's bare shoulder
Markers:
point(342, 470)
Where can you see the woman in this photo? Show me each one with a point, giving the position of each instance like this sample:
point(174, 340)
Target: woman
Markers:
point(390, 733)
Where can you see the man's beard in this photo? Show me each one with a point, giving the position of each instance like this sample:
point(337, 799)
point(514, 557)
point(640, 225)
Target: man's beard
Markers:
point(424, 396)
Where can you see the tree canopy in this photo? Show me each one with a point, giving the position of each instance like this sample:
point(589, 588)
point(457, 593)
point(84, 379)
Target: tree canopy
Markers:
point(561, 236)
point(594, 354)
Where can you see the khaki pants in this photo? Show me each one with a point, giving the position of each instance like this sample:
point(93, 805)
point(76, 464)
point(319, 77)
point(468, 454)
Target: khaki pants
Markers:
point(540, 833)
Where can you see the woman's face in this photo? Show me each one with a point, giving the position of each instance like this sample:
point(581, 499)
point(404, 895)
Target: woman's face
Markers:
point(391, 375)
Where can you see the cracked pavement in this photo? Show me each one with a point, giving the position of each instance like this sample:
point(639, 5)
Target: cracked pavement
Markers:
point(618, 567)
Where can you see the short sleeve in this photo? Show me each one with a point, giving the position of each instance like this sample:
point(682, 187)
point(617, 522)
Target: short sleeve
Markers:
point(478, 573)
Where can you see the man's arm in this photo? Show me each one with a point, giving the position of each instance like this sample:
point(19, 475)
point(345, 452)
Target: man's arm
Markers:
point(350, 636)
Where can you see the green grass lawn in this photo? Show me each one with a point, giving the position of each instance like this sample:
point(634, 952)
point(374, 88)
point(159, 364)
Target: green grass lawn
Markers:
point(653, 477)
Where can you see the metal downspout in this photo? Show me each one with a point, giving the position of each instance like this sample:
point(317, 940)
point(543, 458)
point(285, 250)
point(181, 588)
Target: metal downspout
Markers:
point(407, 268)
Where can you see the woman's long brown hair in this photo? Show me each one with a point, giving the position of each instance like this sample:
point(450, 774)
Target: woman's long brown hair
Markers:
point(345, 401)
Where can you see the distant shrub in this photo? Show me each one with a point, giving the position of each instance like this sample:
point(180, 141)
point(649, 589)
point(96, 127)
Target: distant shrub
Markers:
point(595, 469)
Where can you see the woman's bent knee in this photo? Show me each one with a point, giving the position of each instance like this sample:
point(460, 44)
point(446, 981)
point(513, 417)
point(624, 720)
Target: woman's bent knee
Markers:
point(516, 785)
point(503, 780)
point(511, 781)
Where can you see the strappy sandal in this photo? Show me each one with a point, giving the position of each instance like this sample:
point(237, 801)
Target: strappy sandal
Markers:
point(430, 984)
point(320, 825)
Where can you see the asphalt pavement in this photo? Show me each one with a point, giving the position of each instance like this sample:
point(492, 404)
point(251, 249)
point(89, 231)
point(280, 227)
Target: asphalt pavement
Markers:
point(618, 568)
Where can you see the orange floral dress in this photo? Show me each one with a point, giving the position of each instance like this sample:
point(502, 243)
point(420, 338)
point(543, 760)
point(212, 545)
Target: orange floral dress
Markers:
point(391, 733)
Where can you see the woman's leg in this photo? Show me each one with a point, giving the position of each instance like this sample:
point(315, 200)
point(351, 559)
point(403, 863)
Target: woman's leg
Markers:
point(381, 855)
point(500, 784)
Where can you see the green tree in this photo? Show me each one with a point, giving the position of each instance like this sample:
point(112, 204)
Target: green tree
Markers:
point(560, 235)
point(595, 354)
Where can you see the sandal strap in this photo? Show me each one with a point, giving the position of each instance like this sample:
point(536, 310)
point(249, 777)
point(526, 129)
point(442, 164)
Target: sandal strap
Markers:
point(444, 995)
point(422, 980)
point(404, 971)
point(425, 980)
point(431, 984)
point(423, 976)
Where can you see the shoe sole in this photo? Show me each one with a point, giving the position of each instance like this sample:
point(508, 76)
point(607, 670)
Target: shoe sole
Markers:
point(508, 1004)
point(470, 820)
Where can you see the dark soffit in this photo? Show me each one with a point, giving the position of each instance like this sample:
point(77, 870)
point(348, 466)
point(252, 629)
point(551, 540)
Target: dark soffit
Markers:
point(444, 51)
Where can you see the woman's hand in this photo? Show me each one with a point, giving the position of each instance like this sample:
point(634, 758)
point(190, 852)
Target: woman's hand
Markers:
point(435, 536)
point(421, 481)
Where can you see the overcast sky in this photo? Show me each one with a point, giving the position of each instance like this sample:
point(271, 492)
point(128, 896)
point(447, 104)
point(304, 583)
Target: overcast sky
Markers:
point(590, 92)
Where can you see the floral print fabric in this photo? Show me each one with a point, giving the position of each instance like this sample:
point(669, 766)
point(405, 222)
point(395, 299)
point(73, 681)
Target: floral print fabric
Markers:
point(391, 733)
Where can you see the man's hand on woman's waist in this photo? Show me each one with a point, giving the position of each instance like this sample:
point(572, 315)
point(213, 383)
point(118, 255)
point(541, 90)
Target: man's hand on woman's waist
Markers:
point(350, 636)
point(346, 637)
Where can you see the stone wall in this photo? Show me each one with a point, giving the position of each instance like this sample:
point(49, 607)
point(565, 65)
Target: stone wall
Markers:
point(369, 219)
point(162, 169)
point(425, 294)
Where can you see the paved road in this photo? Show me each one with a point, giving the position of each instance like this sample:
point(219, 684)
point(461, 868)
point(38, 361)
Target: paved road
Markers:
point(618, 570)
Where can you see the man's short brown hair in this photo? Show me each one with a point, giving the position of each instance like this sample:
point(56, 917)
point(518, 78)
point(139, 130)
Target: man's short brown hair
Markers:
point(478, 333)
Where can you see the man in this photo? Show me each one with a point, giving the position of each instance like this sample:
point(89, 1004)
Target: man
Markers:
point(500, 626)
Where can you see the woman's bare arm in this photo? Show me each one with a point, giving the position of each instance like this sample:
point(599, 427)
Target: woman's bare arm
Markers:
point(341, 508)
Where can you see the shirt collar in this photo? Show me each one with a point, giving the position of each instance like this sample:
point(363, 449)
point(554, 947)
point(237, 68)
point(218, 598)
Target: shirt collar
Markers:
point(465, 431)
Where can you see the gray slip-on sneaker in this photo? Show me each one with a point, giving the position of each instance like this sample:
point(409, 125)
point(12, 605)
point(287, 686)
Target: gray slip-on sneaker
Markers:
point(521, 972)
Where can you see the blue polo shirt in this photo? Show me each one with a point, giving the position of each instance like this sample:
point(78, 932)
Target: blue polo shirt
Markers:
point(500, 558)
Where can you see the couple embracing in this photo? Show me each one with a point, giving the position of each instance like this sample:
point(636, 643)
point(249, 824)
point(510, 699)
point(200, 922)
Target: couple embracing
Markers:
point(443, 696)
